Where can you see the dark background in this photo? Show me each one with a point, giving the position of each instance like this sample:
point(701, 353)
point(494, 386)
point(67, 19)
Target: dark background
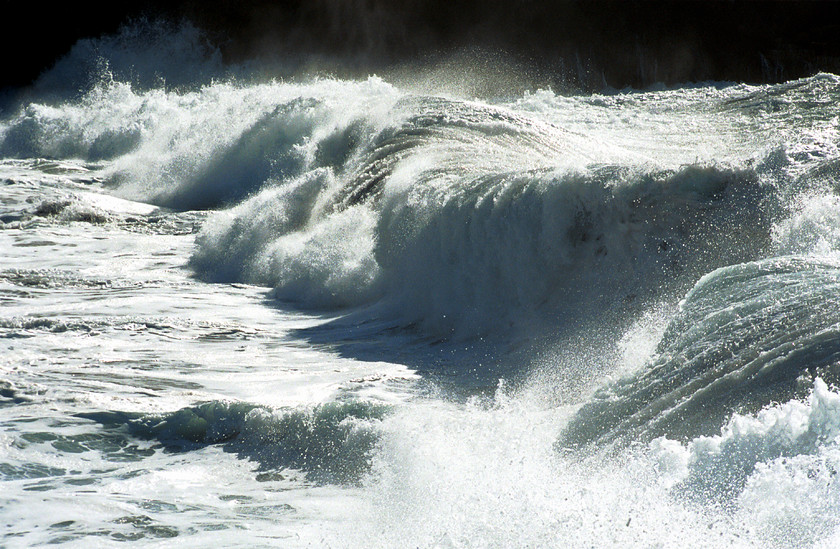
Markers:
point(568, 44)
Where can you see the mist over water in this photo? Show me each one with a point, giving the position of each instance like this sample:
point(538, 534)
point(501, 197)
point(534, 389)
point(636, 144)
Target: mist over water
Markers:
point(389, 311)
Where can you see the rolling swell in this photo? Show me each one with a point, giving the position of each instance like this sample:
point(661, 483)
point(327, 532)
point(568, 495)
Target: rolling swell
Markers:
point(745, 336)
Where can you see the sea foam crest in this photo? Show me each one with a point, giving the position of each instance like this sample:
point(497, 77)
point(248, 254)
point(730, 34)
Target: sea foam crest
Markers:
point(795, 444)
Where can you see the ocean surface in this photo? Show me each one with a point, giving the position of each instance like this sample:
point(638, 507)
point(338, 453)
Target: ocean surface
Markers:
point(240, 312)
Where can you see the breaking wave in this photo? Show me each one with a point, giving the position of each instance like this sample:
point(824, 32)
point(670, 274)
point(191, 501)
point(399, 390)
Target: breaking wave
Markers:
point(332, 442)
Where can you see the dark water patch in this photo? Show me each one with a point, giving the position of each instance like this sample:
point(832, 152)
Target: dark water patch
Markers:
point(81, 481)
point(9, 395)
point(71, 210)
point(146, 526)
point(40, 487)
point(11, 220)
point(228, 334)
point(158, 506)
point(39, 437)
point(113, 447)
point(29, 471)
point(35, 244)
point(52, 207)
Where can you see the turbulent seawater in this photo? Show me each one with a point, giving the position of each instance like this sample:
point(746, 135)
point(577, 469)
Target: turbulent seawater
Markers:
point(329, 313)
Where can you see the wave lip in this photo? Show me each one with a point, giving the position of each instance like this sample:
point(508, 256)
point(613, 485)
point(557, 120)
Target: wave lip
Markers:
point(746, 335)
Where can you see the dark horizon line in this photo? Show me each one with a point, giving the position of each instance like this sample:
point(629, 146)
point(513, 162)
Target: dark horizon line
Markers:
point(569, 43)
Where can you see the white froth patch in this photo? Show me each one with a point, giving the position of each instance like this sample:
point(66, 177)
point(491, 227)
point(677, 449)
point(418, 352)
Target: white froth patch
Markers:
point(639, 342)
point(775, 472)
point(487, 475)
point(114, 204)
point(813, 229)
point(275, 239)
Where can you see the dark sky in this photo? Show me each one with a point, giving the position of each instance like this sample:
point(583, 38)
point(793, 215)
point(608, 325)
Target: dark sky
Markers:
point(581, 43)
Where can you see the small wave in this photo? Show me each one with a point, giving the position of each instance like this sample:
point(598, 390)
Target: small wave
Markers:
point(24, 327)
point(329, 443)
point(60, 278)
point(10, 395)
point(68, 210)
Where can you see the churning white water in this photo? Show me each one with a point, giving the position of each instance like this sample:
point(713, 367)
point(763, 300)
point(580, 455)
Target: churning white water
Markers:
point(346, 314)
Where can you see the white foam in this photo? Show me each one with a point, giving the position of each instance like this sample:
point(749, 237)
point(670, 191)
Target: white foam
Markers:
point(777, 470)
point(813, 228)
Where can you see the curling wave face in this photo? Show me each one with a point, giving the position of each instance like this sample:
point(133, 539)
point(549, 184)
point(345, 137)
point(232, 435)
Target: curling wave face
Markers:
point(745, 336)
point(459, 217)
